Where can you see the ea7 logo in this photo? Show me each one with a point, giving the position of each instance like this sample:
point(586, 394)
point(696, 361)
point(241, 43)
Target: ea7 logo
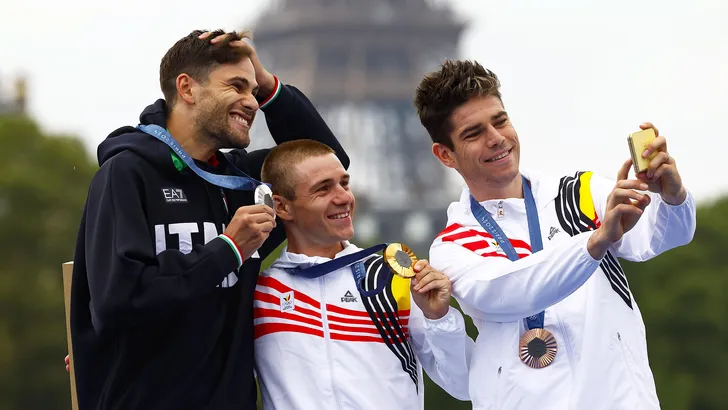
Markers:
point(174, 195)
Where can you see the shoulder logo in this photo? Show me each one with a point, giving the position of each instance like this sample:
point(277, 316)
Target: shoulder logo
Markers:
point(553, 231)
point(288, 302)
point(348, 297)
point(174, 195)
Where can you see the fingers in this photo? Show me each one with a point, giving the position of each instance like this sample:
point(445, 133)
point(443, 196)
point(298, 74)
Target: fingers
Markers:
point(646, 125)
point(255, 209)
point(420, 265)
point(632, 184)
point(659, 144)
point(425, 277)
point(631, 210)
point(660, 158)
point(265, 227)
point(624, 170)
point(437, 284)
point(625, 196)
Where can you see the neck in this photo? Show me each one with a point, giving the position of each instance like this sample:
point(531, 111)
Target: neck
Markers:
point(491, 190)
point(296, 245)
point(186, 134)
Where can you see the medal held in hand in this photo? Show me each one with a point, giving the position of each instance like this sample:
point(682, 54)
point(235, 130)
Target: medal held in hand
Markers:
point(537, 348)
point(401, 260)
point(264, 196)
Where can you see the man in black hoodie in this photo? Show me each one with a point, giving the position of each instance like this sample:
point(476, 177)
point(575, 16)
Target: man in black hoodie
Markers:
point(166, 261)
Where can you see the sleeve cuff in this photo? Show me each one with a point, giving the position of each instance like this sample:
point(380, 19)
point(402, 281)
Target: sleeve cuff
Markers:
point(234, 247)
point(448, 323)
point(272, 97)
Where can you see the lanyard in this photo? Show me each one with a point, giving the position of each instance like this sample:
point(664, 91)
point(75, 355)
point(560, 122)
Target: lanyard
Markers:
point(358, 269)
point(534, 232)
point(241, 181)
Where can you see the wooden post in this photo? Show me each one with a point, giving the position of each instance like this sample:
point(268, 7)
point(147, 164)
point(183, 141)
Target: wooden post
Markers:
point(67, 275)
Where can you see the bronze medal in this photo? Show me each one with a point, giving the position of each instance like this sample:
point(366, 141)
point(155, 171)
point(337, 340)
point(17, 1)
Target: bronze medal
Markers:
point(537, 348)
point(401, 260)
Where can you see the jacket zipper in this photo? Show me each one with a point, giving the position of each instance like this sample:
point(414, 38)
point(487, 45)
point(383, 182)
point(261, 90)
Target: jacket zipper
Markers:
point(628, 364)
point(327, 340)
point(567, 344)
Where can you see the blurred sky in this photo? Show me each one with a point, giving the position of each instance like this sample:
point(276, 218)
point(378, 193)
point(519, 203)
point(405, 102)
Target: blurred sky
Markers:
point(577, 76)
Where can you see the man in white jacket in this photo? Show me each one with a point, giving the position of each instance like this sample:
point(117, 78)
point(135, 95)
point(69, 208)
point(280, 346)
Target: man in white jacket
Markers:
point(345, 336)
point(533, 259)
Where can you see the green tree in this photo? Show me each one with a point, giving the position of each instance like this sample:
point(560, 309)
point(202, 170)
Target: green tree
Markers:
point(683, 297)
point(43, 183)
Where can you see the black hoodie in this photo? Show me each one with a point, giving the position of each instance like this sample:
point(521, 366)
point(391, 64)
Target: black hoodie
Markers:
point(161, 316)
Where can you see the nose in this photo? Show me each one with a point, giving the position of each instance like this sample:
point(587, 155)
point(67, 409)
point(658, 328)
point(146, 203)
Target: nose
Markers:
point(493, 137)
point(343, 196)
point(250, 104)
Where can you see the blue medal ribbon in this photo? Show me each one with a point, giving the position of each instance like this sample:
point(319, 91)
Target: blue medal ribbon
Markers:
point(240, 182)
point(534, 231)
point(358, 270)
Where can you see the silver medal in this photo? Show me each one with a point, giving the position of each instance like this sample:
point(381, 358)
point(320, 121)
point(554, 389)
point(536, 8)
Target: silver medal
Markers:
point(264, 196)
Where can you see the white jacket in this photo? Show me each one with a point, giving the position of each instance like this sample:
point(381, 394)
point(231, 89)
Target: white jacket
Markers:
point(320, 345)
point(601, 361)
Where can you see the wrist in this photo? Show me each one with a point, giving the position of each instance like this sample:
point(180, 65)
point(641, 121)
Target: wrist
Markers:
point(676, 199)
point(234, 246)
point(266, 85)
point(597, 245)
point(436, 314)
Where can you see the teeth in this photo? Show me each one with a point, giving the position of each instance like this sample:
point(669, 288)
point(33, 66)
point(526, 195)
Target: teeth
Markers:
point(340, 216)
point(503, 155)
point(240, 119)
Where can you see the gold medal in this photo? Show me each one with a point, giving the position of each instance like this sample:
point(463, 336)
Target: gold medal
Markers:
point(401, 260)
point(537, 348)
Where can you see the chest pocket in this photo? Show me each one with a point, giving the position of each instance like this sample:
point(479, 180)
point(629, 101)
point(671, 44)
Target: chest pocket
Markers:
point(389, 310)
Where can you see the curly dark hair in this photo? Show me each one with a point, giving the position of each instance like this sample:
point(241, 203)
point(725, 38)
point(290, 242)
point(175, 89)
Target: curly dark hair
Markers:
point(443, 91)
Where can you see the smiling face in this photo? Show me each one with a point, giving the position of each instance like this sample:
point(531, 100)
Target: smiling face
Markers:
point(226, 105)
point(486, 150)
point(320, 215)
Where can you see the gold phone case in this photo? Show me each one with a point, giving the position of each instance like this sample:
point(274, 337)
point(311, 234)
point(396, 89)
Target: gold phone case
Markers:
point(638, 142)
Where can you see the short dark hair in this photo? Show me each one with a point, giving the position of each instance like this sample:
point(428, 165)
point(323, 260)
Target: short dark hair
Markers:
point(197, 58)
point(443, 91)
point(282, 159)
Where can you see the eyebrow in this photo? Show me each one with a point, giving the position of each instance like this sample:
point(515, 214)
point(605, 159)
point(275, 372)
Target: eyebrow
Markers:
point(327, 181)
point(498, 116)
point(243, 80)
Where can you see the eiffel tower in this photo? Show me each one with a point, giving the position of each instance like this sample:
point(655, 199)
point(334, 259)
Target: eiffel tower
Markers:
point(359, 61)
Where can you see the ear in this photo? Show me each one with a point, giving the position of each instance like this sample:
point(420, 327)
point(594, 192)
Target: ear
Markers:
point(444, 154)
point(186, 88)
point(283, 208)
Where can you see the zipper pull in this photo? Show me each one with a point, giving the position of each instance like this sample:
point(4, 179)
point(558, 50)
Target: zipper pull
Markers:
point(501, 213)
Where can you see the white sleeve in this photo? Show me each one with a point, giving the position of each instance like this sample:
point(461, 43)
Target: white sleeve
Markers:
point(497, 289)
point(443, 348)
point(662, 226)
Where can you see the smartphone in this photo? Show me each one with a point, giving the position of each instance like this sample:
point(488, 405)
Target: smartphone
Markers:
point(638, 142)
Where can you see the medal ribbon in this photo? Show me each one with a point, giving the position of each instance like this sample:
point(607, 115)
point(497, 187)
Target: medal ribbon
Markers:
point(534, 231)
point(358, 270)
point(240, 182)
point(316, 271)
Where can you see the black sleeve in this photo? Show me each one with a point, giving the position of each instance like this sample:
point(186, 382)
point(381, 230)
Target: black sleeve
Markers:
point(128, 282)
point(290, 116)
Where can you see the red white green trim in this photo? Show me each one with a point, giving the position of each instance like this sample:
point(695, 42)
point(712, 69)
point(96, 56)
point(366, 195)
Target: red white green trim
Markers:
point(273, 95)
point(234, 246)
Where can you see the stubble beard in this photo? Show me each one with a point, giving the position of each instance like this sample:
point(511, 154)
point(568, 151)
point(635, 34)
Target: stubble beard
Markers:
point(213, 122)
